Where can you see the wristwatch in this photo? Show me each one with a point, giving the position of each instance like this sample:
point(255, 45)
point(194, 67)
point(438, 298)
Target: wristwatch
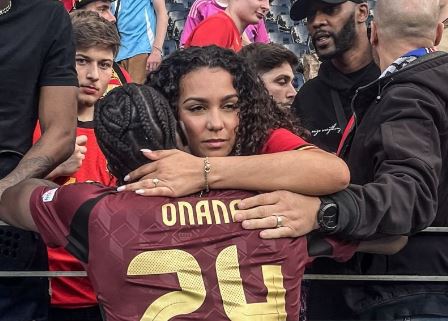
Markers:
point(328, 215)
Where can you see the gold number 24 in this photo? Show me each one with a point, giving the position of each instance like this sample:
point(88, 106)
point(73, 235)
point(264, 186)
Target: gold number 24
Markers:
point(193, 292)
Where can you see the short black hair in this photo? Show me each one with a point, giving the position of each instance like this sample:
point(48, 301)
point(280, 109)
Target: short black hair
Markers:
point(131, 118)
point(264, 57)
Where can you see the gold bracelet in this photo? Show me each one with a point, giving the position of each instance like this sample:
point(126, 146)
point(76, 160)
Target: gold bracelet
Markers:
point(207, 169)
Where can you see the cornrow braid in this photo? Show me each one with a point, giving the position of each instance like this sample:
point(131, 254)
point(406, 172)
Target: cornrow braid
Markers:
point(128, 119)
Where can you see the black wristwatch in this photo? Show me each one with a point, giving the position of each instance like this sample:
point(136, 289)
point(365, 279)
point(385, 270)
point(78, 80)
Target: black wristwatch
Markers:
point(328, 215)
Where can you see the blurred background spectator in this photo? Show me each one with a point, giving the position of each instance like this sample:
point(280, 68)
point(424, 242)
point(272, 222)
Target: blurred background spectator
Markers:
point(202, 9)
point(225, 28)
point(276, 66)
point(142, 25)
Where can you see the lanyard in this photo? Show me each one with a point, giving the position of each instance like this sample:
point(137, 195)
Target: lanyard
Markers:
point(419, 52)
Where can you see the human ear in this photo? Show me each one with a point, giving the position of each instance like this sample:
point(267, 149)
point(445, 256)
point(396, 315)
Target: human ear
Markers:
point(362, 12)
point(439, 33)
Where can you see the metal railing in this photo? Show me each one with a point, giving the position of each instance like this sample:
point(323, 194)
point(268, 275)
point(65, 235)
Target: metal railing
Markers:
point(326, 277)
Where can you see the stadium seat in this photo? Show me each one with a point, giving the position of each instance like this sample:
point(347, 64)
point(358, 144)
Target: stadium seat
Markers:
point(300, 33)
point(275, 11)
point(285, 22)
point(286, 3)
point(177, 15)
point(185, 3)
point(174, 16)
point(298, 48)
point(177, 29)
point(174, 7)
point(169, 46)
point(271, 26)
point(281, 37)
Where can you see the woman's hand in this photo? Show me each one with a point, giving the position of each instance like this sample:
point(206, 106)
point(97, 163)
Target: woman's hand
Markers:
point(74, 162)
point(171, 173)
point(297, 214)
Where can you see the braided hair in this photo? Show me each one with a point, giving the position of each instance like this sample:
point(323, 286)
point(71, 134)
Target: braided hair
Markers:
point(128, 119)
point(258, 112)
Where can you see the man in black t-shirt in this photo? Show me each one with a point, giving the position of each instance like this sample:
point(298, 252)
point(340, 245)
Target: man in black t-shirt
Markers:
point(38, 79)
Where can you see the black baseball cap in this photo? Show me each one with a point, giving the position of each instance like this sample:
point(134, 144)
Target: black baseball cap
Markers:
point(299, 9)
point(78, 4)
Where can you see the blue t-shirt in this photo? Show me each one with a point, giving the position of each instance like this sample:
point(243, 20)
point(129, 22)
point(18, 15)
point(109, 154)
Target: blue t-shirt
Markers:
point(136, 23)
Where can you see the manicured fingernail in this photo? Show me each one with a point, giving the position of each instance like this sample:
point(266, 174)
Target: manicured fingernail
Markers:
point(237, 217)
point(139, 191)
point(126, 178)
point(120, 188)
point(145, 150)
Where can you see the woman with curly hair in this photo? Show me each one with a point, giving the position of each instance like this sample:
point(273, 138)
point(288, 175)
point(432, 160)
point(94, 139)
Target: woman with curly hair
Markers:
point(226, 111)
point(256, 113)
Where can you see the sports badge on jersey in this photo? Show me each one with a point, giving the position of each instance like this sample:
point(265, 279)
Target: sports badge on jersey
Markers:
point(49, 195)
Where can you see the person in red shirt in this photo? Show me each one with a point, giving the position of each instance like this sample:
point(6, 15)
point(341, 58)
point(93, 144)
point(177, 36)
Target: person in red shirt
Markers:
point(225, 29)
point(97, 43)
point(166, 258)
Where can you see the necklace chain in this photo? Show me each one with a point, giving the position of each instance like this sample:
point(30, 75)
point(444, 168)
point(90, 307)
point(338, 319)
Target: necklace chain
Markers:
point(6, 9)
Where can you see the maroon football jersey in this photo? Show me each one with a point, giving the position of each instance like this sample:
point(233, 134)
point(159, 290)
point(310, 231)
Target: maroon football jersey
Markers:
point(160, 258)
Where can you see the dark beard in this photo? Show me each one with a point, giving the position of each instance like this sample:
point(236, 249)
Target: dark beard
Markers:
point(343, 40)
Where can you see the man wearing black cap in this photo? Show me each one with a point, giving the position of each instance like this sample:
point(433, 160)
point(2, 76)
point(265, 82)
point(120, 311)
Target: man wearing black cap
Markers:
point(339, 34)
point(338, 31)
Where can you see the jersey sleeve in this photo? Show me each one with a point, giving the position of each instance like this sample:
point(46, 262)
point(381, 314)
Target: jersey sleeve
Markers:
point(321, 246)
point(281, 140)
point(53, 209)
point(190, 25)
point(59, 60)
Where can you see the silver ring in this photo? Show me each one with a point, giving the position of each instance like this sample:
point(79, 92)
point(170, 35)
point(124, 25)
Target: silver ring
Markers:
point(155, 181)
point(279, 221)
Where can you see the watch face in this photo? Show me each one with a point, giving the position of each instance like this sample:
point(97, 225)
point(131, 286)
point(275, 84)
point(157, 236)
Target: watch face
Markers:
point(329, 216)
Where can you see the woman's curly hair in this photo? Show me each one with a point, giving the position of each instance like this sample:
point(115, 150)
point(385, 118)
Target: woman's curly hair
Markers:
point(258, 114)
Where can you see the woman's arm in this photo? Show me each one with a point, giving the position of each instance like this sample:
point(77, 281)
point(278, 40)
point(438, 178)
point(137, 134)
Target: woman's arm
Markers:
point(155, 57)
point(309, 171)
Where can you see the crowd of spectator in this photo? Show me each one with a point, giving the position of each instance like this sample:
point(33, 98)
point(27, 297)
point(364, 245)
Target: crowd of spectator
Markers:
point(220, 173)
